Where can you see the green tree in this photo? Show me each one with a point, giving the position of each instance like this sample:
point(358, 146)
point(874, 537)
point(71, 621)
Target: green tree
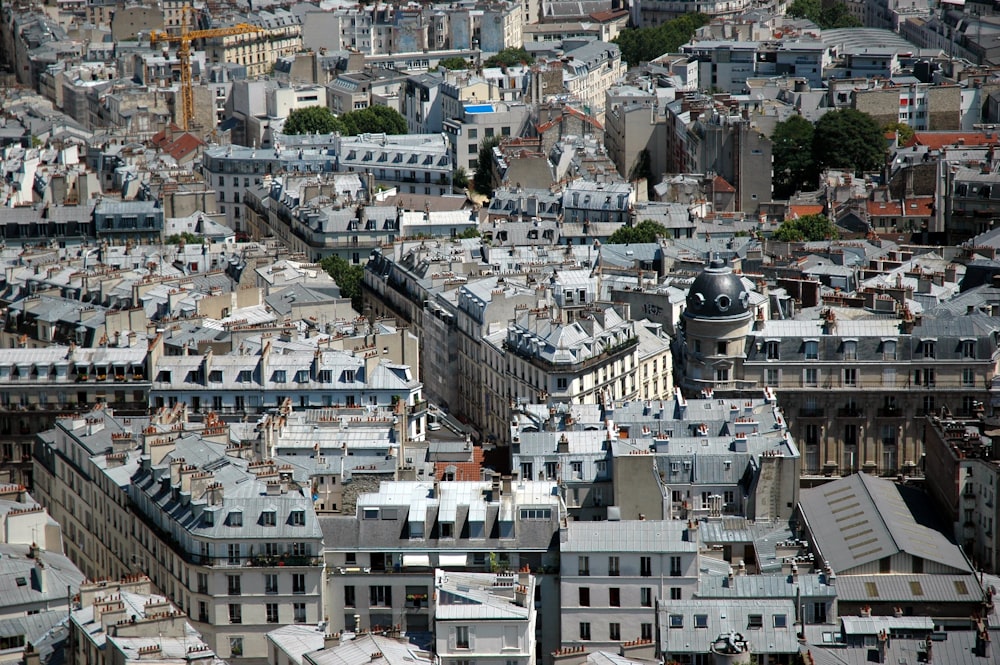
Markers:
point(460, 177)
point(848, 139)
point(347, 276)
point(645, 231)
point(509, 57)
point(312, 120)
point(644, 44)
point(791, 147)
point(374, 120)
point(454, 63)
point(469, 233)
point(482, 180)
point(805, 228)
point(903, 131)
point(186, 237)
point(833, 15)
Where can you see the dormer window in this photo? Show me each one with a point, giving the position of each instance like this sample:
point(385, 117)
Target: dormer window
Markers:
point(297, 518)
point(235, 518)
point(268, 518)
point(772, 350)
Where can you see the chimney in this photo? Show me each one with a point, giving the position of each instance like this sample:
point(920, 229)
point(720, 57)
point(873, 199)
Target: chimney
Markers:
point(563, 446)
point(930, 650)
point(983, 642)
point(883, 642)
point(331, 640)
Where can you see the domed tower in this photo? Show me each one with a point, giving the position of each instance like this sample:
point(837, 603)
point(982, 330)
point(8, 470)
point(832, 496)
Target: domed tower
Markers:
point(716, 322)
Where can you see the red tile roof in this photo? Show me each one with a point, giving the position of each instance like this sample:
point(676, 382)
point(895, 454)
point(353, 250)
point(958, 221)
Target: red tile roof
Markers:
point(721, 185)
point(938, 140)
point(176, 142)
point(470, 470)
point(609, 15)
point(920, 206)
point(803, 209)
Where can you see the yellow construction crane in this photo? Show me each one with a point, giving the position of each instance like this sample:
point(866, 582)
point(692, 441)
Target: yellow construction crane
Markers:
point(183, 40)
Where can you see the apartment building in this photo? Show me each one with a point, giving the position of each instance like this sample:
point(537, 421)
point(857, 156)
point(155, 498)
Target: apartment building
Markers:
point(126, 622)
point(589, 69)
point(613, 574)
point(39, 385)
point(963, 477)
point(279, 33)
point(36, 578)
point(654, 12)
point(287, 208)
point(382, 561)
point(479, 120)
point(412, 163)
point(235, 543)
point(231, 170)
point(248, 382)
point(486, 616)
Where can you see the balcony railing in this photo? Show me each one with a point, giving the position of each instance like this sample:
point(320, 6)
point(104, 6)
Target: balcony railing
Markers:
point(890, 412)
point(850, 412)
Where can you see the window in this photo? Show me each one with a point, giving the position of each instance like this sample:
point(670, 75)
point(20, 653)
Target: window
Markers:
point(349, 600)
point(268, 518)
point(675, 566)
point(928, 349)
point(272, 612)
point(583, 565)
point(811, 377)
point(646, 566)
point(675, 593)
point(234, 518)
point(613, 566)
point(278, 376)
point(299, 612)
point(234, 584)
point(968, 377)
point(298, 518)
point(298, 583)
point(780, 621)
point(676, 620)
point(202, 611)
point(584, 596)
point(614, 631)
point(235, 613)
point(755, 621)
point(235, 646)
point(380, 596)
point(850, 350)
point(461, 637)
point(615, 597)
point(889, 349)
point(270, 583)
point(812, 350)
point(720, 348)
point(771, 376)
point(772, 350)
point(928, 404)
point(646, 631)
point(235, 556)
point(968, 348)
point(850, 376)
point(701, 621)
point(584, 630)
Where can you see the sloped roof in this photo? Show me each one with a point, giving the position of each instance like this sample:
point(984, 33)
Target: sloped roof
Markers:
point(862, 519)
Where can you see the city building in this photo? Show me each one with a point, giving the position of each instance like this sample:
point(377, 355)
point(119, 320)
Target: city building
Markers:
point(614, 573)
point(491, 616)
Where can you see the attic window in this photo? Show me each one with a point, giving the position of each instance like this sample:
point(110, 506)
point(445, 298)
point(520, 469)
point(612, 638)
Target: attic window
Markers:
point(297, 518)
point(234, 518)
point(755, 621)
point(21, 581)
point(268, 518)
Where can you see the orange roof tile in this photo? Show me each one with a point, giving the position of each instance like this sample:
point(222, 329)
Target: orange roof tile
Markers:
point(803, 209)
point(463, 470)
point(721, 185)
point(920, 206)
point(938, 140)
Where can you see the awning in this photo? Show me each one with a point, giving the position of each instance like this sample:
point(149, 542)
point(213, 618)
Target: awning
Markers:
point(452, 560)
point(410, 560)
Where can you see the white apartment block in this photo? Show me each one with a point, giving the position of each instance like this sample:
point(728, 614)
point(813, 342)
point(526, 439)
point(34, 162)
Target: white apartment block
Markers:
point(484, 618)
point(614, 573)
point(382, 560)
point(588, 72)
point(412, 163)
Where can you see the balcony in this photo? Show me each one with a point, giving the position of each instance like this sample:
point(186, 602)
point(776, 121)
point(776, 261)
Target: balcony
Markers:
point(850, 412)
point(811, 412)
point(890, 412)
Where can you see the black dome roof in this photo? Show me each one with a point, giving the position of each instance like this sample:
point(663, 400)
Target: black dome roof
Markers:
point(717, 294)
